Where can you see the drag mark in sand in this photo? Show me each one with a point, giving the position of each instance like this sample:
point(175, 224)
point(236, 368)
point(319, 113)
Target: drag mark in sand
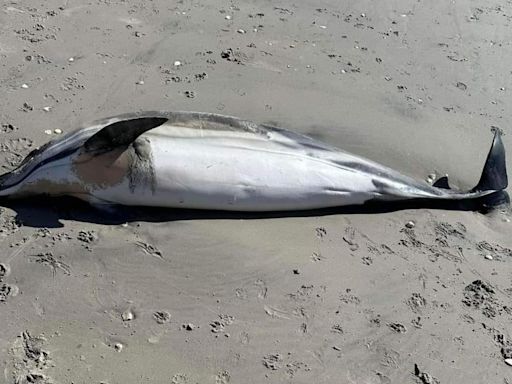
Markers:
point(149, 249)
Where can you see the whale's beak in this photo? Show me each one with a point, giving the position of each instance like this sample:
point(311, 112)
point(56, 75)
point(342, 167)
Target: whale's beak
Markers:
point(10, 181)
point(5, 190)
point(7, 186)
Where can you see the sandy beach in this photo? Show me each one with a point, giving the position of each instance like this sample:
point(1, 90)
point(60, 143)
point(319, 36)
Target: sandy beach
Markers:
point(402, 296)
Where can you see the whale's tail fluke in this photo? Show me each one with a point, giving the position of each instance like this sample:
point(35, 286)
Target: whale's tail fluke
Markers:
point(494, 175)
point(488, 193)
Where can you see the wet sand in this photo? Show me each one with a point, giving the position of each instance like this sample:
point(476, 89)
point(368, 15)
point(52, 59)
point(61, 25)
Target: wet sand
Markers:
point(187, 297)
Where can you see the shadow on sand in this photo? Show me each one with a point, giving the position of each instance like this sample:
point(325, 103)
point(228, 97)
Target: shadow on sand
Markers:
point(47, 212)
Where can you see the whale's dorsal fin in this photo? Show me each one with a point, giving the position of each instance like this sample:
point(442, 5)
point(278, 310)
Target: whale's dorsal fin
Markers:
point(122, 133)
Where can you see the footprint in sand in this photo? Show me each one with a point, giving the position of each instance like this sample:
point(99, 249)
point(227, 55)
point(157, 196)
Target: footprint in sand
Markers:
point(223, 377)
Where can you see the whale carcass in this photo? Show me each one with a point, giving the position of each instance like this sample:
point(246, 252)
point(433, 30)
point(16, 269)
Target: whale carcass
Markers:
point(210, 161)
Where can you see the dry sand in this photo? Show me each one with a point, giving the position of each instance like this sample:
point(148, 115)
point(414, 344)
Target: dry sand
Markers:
point(195, 298)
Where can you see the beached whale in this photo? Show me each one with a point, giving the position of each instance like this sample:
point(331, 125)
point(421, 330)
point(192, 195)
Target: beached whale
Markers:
point(210, 161)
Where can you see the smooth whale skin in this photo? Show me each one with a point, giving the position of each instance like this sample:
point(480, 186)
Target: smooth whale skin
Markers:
point(209, 161)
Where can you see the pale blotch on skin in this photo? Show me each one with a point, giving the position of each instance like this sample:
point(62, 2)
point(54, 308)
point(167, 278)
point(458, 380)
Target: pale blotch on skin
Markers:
point(108, 169)
point(103, 170)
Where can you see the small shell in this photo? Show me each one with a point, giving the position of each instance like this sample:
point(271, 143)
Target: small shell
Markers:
point(127, 315)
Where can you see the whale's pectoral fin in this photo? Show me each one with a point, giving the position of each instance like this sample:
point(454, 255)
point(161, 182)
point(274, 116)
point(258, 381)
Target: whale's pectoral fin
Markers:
point(494, 174)
point(442, 183)
point(122, 133)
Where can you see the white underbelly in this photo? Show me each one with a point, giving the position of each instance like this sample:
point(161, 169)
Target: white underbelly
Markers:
point(215, 174)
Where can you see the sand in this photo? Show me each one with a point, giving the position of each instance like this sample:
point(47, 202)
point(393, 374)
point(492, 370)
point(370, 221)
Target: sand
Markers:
point(185, 297)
